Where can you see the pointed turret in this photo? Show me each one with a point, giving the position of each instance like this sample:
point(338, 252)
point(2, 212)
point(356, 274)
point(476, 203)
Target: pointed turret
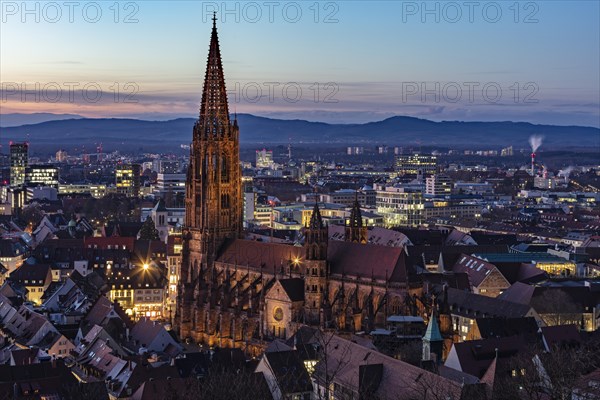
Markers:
point(316, 221)
point(355, 231)
point(316, 236)
point(432, 341)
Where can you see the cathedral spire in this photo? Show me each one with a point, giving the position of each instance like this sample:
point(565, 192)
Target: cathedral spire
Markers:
point(214, 111)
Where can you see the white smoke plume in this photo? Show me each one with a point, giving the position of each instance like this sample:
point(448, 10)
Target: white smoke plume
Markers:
point(566, 172)
point(535, 141)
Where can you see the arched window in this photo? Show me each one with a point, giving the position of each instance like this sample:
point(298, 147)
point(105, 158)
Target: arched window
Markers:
point(214, 166)
point(224, 168)
point(225, 201)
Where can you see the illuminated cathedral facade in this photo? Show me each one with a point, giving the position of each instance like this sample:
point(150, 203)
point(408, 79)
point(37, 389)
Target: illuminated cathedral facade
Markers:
point(235, 292)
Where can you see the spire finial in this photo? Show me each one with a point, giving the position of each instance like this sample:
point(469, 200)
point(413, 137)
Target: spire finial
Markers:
point(214, 18)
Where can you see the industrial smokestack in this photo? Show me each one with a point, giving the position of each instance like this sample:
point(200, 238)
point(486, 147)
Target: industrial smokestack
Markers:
point(535, 141)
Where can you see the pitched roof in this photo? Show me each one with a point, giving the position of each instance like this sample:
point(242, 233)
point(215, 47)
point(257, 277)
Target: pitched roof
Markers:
point(503, 327)
point(294, 287)
point(476, 356)
point(399, 379)
point(146, 330)
point(560, 335)
point(473, 305)
point(366, 260)
point(25, 356)
point(103, 310)
point(518, 293)
point(160, 206)
point(160, 389)
point(432, 333)
point(289, 372)
point(350, 259)
point(375, 235)
point(34, 274)
point(454, 280)
point(476, 268)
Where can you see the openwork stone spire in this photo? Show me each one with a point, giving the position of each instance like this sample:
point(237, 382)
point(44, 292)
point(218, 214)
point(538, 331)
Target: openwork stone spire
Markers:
point(214, 111)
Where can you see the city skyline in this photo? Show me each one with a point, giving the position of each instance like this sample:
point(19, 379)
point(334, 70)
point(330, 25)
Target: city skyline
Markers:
point(359, 56)
point(396, 260)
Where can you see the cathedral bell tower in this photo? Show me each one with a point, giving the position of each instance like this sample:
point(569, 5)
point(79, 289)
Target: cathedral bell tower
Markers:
point(213, 210)
point(316, 273)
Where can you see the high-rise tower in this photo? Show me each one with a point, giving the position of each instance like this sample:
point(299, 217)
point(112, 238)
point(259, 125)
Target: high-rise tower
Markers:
point(213, 189)
point(19, 160)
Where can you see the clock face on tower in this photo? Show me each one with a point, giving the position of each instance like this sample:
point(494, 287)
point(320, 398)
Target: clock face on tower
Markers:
point(278, 314)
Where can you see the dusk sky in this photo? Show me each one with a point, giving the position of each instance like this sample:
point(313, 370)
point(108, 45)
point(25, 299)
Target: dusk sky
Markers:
point(371, 60)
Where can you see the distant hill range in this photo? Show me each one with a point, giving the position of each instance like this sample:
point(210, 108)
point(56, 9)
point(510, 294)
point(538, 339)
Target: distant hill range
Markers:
point(140, 135)
point(10, 120)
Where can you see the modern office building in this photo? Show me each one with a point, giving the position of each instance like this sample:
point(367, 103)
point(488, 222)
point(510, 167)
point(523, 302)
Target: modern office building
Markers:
point(416, 164)
point(127, 179)
point(438, 185)
point(19, 160)
point(400, 206)
point(264, 158)
point(169, 183)
point(42, 175)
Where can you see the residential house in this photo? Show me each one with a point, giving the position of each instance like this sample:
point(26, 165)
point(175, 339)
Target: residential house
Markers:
point(484, 277)
point(35, 277)
point(286, 376)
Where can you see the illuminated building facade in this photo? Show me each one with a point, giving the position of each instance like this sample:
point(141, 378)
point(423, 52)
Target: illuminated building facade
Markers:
point(41, 175)
point(438, 185)
point(95, 190)
point(416, 164)
point(19, 160)
point(61, 156)
point(236, 292)
point(140, 289)
point(264, 158)
point(127, 179)
point(400, 206)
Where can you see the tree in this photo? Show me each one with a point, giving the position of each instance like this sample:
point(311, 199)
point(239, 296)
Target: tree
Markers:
point(540, 374)
point(556, 307)
point(32, 215)
point(148, 231)
point(221, 385)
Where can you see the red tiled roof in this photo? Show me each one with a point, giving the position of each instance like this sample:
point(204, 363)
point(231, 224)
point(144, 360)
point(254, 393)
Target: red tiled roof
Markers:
point(365, 260)
point(350, 259)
